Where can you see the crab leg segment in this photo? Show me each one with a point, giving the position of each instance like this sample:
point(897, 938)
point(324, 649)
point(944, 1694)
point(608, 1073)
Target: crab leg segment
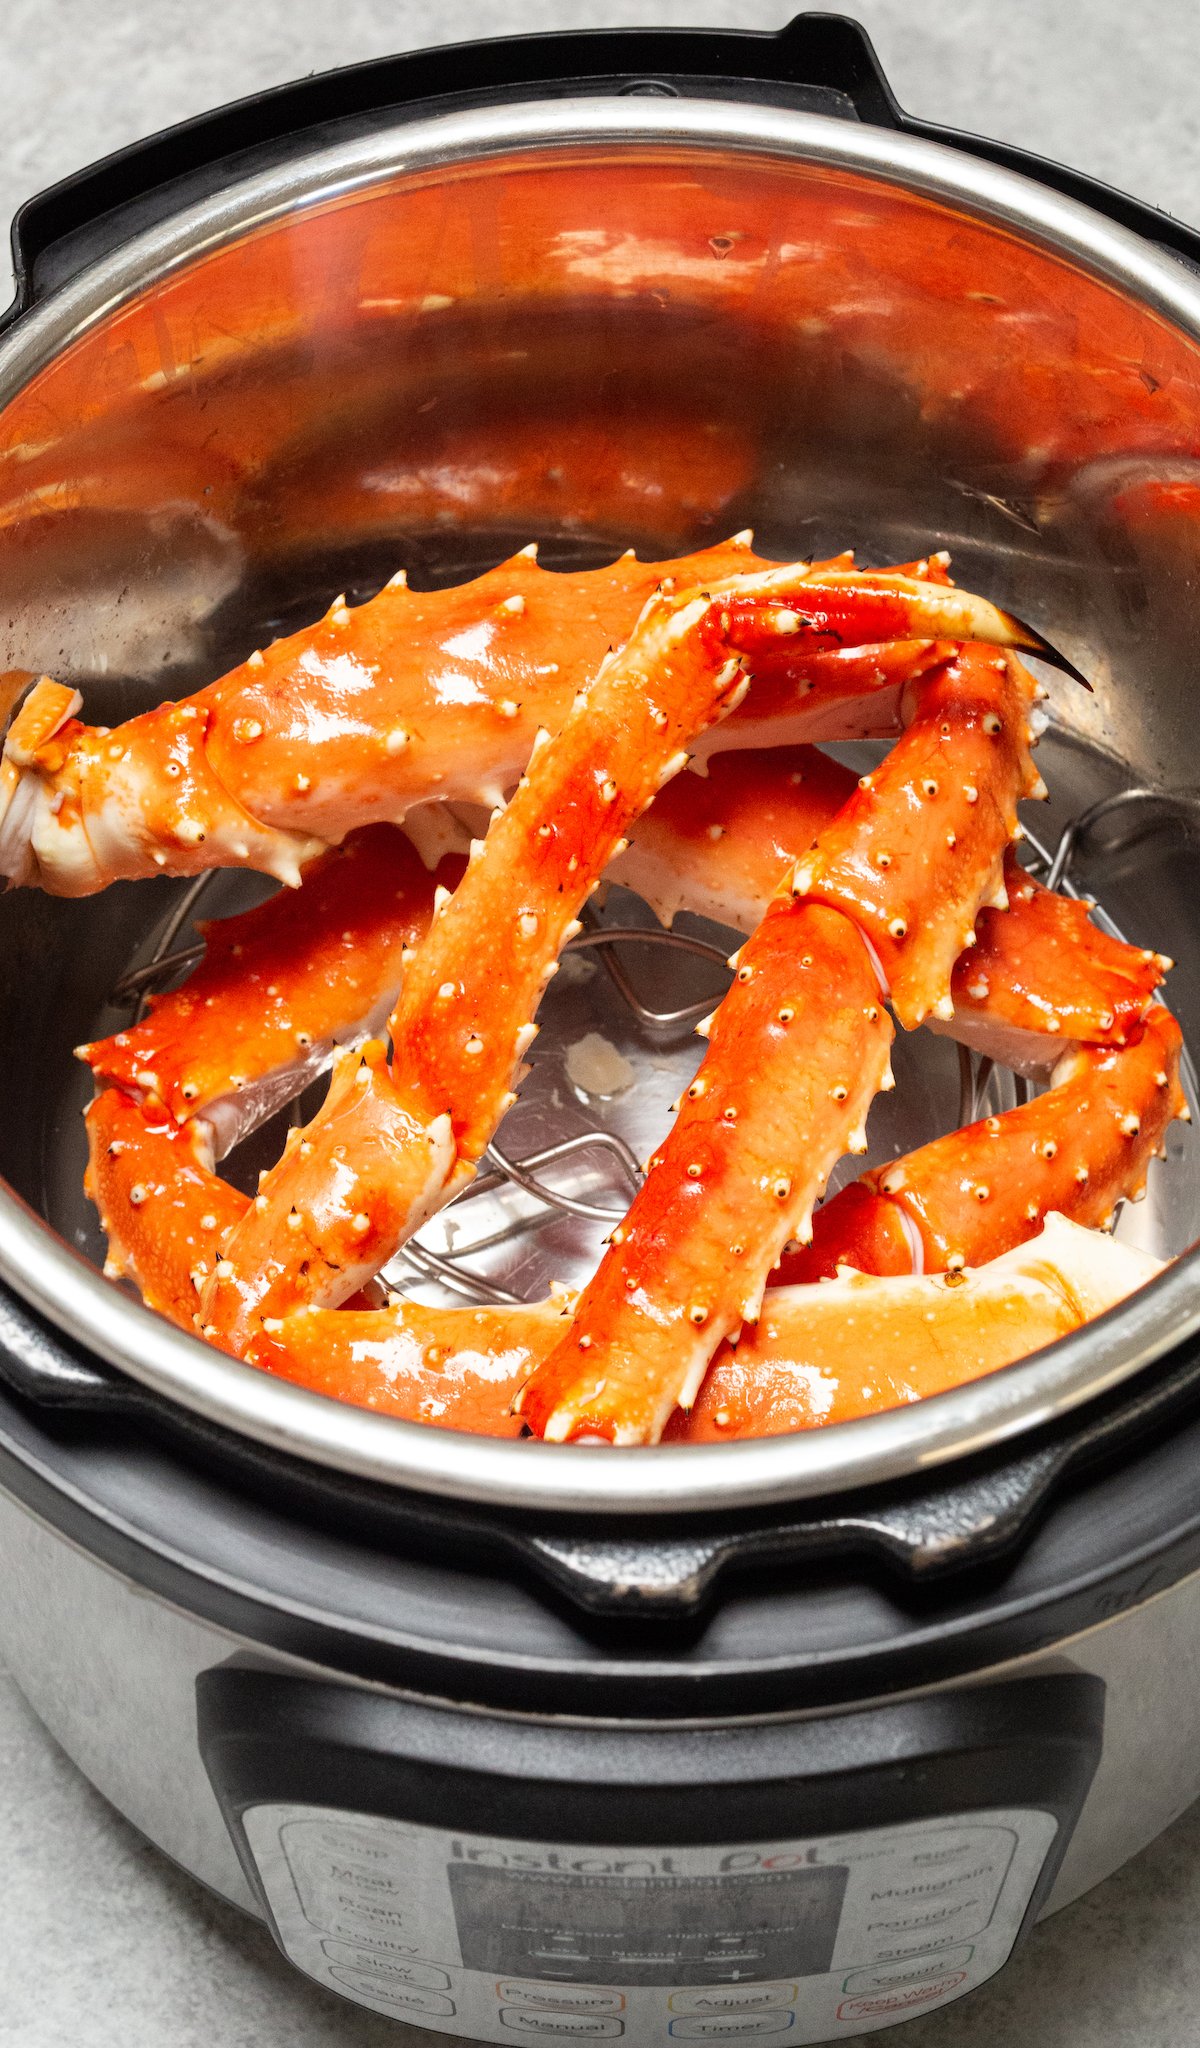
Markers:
point(797, 1051)
point(419, 695)
point(798, 1061)
point(457, 1368)
point(1042, 977)
point(1039, 977)
point(164, 1211)
point(279, 988)
point(1078, 1149)
point(92, 806)
point(919, 848)
point(861, 1343)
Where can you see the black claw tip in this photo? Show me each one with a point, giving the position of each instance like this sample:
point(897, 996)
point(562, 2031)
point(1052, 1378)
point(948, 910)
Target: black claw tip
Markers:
point(1035, 643)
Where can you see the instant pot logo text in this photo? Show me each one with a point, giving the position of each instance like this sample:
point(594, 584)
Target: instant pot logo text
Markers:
point(613, 1864)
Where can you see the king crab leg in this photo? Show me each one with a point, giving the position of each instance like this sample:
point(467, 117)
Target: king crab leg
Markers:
point(414, 696)
point(861, 1343)
point(279, 982)
point(395, 1139)
point(817, 1355)
point(1079, 1149)
point(797, 1050)
point(280, 988)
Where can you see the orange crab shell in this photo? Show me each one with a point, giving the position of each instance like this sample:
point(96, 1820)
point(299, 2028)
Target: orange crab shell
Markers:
point(1077, 1150)
point(1060, 980)
point(273, 986)
point(860, 1344)
point(907, 854)
point(165, 1212)
point(459, 1368)
point(730, 1184)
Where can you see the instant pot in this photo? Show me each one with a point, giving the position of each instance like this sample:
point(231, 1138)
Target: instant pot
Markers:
point(788, 1739)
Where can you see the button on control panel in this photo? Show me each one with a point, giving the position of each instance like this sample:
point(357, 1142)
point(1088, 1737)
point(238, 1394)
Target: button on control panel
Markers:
point(587, 2026)
point(732, 2026)
point(560, 1997)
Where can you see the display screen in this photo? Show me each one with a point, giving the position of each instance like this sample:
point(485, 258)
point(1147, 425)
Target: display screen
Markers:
point(637, 1929)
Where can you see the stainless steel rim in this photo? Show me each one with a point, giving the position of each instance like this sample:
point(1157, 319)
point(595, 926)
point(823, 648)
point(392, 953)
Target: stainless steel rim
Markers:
point(48, 1275)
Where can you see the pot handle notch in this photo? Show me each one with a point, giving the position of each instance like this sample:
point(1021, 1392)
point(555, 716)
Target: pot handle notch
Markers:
point(818, 63)
point(823, 63)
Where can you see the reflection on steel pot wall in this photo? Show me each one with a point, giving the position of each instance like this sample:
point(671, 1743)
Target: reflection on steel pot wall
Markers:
point(612, 346)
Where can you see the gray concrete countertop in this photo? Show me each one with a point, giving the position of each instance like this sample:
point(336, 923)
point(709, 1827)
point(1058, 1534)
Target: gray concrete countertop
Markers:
point(103, 1944)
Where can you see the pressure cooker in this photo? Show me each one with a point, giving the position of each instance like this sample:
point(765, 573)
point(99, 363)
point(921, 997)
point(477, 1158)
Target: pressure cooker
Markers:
point(794, 1738)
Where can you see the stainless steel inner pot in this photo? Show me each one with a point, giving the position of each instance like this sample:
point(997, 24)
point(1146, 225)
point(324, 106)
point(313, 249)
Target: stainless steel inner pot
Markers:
point(603, 323)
